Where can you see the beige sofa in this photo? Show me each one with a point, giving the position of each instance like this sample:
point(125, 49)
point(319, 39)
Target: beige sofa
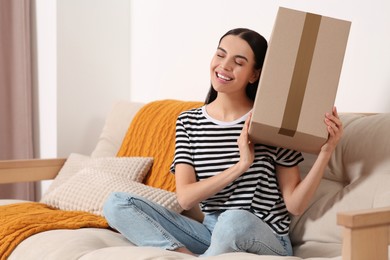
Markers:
point(357, 182)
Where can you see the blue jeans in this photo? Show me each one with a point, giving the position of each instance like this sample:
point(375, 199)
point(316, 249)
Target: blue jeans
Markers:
point(145, 223)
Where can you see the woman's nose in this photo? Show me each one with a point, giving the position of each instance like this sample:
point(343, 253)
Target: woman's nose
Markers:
point(226, 65)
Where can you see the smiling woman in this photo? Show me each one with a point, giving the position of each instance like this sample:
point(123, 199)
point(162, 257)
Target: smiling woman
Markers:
point(233, 64)
point(240, 57)
point(217, 166)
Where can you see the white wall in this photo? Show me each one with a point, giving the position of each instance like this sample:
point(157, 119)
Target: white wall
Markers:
point(45, 78)
point(93, 68)
point(45, 81)
point(173, 41)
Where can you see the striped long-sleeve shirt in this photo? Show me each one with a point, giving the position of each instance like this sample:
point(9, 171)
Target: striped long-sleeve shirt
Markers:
point(210, 146)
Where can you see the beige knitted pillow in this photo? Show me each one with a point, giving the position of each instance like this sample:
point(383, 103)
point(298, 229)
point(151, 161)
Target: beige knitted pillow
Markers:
point(129, 168)
point(73, 164)
point(88, 189)
point(134, 168)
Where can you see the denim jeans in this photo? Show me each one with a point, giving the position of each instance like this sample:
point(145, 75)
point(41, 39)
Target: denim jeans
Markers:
point(145, 223)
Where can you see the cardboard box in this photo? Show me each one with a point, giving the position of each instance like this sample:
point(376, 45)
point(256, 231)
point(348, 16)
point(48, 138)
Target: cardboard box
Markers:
point(299, 80)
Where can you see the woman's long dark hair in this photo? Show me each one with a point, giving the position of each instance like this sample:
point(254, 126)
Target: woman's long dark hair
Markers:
point(259, 47)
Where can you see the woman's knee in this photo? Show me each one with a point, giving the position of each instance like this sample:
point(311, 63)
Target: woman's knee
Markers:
point(234, 224)
point(240, 230)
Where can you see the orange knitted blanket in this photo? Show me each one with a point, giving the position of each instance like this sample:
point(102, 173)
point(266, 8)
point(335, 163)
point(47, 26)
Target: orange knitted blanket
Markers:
point(152, 133)
point(21, 220)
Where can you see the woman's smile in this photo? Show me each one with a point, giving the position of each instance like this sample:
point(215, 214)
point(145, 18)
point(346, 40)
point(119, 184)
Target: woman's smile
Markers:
point(223, 77)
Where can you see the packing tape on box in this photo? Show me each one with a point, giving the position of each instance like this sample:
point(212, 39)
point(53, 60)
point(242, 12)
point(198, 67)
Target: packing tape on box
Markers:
point(300, 75)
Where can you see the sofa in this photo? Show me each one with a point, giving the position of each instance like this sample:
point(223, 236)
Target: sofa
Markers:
point(348, 218)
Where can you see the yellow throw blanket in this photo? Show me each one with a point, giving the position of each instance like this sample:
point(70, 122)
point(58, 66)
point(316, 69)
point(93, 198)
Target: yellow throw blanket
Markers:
point(21, 220)
point(152, 134)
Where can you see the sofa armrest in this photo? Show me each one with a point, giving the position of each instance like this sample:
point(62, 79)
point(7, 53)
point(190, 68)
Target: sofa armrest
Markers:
point(29, 170)
point(366, 234)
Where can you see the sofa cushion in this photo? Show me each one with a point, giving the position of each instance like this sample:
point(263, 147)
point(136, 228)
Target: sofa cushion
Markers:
point(103, 244)
point(152, 134)
point(153, 253)
point(68, 244)
point(115, 127)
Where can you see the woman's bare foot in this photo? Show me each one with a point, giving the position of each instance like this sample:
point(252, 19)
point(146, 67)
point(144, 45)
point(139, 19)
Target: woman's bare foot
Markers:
point(184, 250)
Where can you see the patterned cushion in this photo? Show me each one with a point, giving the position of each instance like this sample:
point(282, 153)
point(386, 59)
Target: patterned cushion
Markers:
point(88, 189)
point(84, 183)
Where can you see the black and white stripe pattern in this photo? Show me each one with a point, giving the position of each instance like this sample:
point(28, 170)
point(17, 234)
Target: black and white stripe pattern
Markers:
point(211, 147)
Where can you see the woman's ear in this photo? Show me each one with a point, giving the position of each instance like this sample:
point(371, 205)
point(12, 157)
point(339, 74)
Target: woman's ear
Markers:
point(256, 76)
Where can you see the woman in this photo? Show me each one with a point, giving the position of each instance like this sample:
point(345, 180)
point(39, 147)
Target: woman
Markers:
point(246, 190)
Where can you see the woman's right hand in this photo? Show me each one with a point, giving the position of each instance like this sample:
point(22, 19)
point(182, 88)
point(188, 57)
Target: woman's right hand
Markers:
point(246, 147)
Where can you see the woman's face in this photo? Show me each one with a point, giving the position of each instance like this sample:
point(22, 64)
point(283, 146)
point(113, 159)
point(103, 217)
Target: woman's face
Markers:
point(233, 66)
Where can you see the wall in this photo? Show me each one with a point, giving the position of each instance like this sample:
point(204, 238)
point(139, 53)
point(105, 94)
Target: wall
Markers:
point(93, 65)
point(45, 78)
point(44, 81)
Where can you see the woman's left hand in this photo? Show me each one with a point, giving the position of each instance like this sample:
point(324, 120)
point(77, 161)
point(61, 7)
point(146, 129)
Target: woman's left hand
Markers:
point(335, 130)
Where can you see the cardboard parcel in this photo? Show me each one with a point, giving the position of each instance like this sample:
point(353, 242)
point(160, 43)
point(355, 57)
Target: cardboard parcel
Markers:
point(299, 80)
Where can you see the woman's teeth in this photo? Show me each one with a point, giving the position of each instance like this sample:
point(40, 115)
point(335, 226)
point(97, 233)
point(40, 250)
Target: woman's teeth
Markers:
point(223, 77)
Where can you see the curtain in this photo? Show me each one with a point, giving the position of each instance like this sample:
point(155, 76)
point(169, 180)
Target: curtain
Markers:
point(16, 114)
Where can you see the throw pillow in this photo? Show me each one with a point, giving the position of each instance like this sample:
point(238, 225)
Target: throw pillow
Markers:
point(74, 163)
point(88, 189)
point(135, 168)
